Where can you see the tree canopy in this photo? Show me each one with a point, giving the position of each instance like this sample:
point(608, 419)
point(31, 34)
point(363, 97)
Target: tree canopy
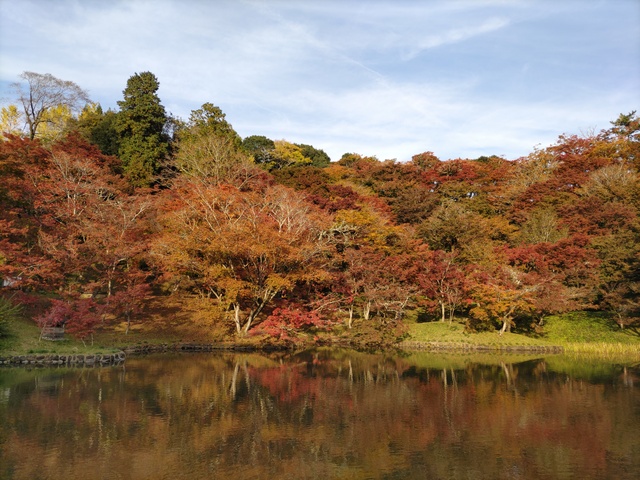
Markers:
point(140, 123)
point(257, 229)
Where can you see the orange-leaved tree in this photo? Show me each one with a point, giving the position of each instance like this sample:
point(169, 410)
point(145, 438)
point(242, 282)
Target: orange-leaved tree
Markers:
point(241, 249)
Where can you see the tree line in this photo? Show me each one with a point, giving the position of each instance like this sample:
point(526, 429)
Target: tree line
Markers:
point(104, 210)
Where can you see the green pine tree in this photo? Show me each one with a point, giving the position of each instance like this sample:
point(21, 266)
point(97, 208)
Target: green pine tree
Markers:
point(140, 124)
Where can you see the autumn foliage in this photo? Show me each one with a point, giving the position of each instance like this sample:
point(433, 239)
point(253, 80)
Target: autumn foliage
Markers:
point(288, 323)
point(284, 248)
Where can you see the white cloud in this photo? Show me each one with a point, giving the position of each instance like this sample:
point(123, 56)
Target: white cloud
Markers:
point(456, 35)
point(385, 78)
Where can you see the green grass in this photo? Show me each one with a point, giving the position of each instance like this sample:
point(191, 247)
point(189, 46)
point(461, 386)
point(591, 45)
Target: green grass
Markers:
point(588, 327)
point(581, 334)
point(455, 333)
point(24, 339)
point(593, 334)
point(162, 323)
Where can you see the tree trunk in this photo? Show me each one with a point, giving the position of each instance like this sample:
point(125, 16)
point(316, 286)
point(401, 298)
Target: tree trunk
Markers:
point(506, 325)
point(442, 308)
point(366, 310)
point(252, 315)
point(267, 296)
point(236, 318)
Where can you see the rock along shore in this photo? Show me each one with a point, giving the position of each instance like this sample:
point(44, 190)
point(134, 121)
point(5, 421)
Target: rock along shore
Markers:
point(69, 360)
point(107, 359)
point(469, 347)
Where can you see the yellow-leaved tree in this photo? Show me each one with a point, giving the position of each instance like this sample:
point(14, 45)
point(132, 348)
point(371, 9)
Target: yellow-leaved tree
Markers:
point(10, 120)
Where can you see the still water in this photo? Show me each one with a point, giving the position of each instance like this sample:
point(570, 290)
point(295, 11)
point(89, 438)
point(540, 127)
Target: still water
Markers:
point(322, 414)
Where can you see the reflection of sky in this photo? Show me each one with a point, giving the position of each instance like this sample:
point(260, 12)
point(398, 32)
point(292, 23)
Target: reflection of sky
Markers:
point(385, 78)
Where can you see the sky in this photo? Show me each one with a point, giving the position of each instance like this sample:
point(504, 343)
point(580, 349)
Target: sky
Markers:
point(384, 78)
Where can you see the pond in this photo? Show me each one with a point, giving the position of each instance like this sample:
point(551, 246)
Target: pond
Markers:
point(322, 414)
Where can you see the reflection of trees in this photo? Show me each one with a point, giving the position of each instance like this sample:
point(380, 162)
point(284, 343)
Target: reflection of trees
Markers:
point(313, 415)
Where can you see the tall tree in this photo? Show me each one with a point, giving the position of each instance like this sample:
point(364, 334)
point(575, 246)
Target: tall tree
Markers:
point(43, 93)
point(240, 249)
point(500, 303)
point(209, 149)
point(140, 123)
point(66, 220)
point(209, 119)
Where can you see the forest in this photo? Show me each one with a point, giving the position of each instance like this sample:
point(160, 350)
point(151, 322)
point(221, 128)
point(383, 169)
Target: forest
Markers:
point(103, 213)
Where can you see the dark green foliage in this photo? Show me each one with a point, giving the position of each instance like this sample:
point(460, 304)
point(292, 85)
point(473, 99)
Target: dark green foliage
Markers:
point(627, 125)
point(141, 158)
point(263, 150)
point(140, 124)
point(318, 157)
point(260, 147)
point(99, 128)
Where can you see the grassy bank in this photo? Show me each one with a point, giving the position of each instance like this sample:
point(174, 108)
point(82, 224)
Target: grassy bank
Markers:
point(24, 338)
point(165, 322)
point(579, 333)
point(455, 334)
point(593, 334)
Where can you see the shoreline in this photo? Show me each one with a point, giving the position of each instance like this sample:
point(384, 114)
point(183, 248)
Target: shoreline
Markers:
point(471, 347)
point(110, 359)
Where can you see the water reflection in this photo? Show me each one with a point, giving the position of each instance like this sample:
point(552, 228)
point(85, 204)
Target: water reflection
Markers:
point(322, 414)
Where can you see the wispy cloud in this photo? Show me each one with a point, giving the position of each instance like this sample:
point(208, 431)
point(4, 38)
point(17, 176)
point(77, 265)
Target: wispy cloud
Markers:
point(456, 35)
point(386, 78)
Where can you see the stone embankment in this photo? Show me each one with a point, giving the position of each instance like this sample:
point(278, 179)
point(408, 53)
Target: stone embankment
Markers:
point(183, 347)
point(106, 359)
point(469, 347)
point(63, 360)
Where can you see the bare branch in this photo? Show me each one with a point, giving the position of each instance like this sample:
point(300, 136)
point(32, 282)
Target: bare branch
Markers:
point(44, 92)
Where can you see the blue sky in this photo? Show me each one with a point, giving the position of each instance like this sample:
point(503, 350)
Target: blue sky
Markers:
point(390, 78)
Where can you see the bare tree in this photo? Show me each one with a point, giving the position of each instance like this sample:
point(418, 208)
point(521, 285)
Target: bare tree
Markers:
point(44, 92)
